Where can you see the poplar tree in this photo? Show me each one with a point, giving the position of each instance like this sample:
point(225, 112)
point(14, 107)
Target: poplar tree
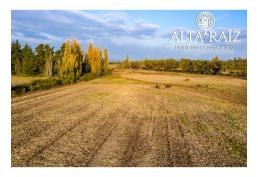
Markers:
point(63, 70)
point(16, 58)
point(76, 59)
point(71, 64)
point(126, 63)
point(27, 54)
point(48, 68)
point(40, 58)
point(90, 56)
point(97, 59)
point(104, 62)
point(57, 58)
point(215, 65)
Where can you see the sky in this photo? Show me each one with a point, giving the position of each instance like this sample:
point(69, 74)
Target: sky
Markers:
point(138, 33)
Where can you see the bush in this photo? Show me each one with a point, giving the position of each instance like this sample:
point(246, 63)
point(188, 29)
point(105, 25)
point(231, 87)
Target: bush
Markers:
point(44, 84)
point(20, 89)
point(40, 84)
point(66, 81)
point(88, 76)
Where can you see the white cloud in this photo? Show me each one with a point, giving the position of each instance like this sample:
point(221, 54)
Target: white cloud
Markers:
point(119, 31)
point(51, 37)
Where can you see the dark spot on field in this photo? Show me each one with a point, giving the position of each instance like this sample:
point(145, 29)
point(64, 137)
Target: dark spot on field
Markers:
point(168, 85)
point(157, 86)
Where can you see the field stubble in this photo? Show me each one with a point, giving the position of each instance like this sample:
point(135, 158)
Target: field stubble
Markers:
point(124, 120)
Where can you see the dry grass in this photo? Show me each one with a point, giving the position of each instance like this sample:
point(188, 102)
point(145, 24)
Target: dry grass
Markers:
point(123, 120)
point(18, 80)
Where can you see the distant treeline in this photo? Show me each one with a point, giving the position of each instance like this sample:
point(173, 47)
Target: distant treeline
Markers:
point(235, 67)
point(70, 61)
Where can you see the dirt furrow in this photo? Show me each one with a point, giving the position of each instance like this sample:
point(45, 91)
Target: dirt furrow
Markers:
point(122, 144)
point(158, 154)
point(32, 112)
point(87, 141)
point(103, 133)
point(27, 152)
point(46, 102)
point(36, 95)
point(43, 121)
point(177, 143)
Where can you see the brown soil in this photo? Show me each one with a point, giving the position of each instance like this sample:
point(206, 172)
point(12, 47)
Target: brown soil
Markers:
point(123, 120)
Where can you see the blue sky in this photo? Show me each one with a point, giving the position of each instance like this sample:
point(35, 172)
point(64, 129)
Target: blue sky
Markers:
point(140, 34)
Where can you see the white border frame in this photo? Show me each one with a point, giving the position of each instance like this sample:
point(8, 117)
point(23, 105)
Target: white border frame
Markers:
point(5, 96)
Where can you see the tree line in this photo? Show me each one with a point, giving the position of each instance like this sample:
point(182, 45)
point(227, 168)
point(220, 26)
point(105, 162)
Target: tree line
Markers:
point(233, 67)
point(70, 61)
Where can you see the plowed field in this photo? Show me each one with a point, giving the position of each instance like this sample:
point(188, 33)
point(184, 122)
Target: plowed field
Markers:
point(126, 120)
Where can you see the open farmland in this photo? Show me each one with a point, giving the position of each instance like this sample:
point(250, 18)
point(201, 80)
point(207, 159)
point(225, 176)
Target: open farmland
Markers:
point(133, 118)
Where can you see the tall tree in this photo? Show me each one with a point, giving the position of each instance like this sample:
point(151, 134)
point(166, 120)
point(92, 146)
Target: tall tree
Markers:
point(185, 65)
point(16, 57)
point(104, 62)
point(48, 68)
point(71, 64)
point(57, 57)
point(215, 65)
point(97, 59)
point(76, 59)
point(85, 64)
point(28, 55)
point(126, 62)
point(40, 59)
point(91, 58)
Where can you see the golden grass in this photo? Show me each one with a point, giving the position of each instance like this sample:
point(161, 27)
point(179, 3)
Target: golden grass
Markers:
point(18, 80)
point(124, 120)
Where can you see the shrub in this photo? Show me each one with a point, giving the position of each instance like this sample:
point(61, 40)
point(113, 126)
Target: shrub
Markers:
point(66, 81)
point(43, 84)
point(20, 89)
